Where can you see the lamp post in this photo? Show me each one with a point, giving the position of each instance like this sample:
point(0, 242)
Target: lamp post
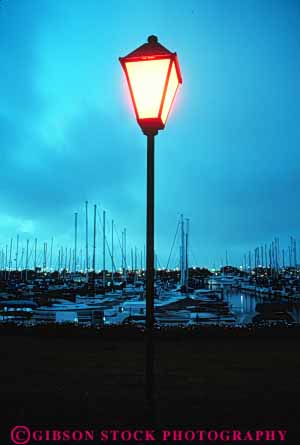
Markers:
point(153, 76)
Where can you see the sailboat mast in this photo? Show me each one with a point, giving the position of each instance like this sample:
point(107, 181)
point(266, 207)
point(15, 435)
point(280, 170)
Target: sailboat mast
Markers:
point(22, 257)
point(81, 261)
point(58, 262)
point(35, 247)
point(26, 266)
point(75, 242)
point(45, 256)
point(266, 257)
point(112, 251)
point(51, 252)
point(122, 254)
point(104, 238)
point(66, 259)
point(17, 252)
point(125, 259)
point(2, 263)
point(182, 277)
point(94, 243)
point(5, 261)
point(135, 263)
point(86, 242)
point(10, 254)
point(187, 252)
point(62, 257)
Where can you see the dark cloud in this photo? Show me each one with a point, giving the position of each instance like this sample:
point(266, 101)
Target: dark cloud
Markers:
point(20, 25)
point(229, 156)
point(93, 162)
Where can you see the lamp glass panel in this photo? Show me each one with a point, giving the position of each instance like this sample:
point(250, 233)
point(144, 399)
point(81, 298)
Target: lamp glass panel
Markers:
point(147, 79)
point(170, 94)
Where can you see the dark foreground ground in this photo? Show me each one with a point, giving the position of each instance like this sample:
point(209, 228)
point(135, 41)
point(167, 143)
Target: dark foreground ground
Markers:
point(214, 382)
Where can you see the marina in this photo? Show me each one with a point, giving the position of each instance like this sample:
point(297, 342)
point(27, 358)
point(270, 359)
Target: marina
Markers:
point(75, 289)
point(220, 300)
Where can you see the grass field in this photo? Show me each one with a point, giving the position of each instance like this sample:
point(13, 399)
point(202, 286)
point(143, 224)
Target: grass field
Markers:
point(212, 382)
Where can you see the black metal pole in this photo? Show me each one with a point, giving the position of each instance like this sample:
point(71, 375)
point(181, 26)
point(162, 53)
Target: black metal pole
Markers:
point(150, 272)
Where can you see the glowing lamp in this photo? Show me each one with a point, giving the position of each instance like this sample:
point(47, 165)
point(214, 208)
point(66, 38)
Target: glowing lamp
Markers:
point(153, 76)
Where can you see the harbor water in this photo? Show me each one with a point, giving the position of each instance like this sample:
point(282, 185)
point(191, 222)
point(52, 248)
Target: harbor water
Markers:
point(243, 303)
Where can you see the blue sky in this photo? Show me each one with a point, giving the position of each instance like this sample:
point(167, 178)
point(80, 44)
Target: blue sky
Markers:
point(228, 158)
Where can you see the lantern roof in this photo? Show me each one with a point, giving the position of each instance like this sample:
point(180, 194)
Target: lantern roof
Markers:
point(149, 49)
point(152, 49)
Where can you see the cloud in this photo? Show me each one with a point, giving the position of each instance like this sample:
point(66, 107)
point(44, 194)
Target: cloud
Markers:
point(228, 158)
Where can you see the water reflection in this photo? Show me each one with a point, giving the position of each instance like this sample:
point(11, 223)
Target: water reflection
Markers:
point(243, 304)
point(296, 314)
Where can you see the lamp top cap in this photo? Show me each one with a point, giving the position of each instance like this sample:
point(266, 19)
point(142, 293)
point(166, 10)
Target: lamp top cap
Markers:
point(152, 39)
point(151, 49)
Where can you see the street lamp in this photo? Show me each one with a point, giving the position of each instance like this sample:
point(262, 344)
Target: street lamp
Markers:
point(153, 76)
